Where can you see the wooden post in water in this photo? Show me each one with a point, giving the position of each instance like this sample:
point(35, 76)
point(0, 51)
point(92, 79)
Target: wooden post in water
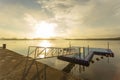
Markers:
point(4, 46)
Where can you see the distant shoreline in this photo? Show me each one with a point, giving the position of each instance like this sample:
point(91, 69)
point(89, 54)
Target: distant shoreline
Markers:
point(97, 39)
point(65, 39)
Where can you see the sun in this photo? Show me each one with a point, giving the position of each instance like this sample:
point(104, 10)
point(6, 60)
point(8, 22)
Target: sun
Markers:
point(44, 30)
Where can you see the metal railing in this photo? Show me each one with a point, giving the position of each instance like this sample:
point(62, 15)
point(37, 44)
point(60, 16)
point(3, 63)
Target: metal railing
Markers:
point(36, 52)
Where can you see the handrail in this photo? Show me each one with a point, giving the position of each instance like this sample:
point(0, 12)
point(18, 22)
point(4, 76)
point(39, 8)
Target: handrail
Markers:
point(52, 51)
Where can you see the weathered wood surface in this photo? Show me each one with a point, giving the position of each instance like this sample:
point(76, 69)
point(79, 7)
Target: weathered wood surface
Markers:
point(12, 67)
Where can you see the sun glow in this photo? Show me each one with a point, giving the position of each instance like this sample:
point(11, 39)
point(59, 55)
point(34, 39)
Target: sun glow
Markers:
point(44, 30)
point(45, 43)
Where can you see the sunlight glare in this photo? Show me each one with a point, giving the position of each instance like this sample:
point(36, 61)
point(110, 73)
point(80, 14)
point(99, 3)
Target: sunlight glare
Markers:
point(44, 30)
point(45, 43)
point(41, 56)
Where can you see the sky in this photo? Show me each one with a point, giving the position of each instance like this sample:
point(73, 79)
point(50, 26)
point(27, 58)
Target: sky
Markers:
point(59, 18)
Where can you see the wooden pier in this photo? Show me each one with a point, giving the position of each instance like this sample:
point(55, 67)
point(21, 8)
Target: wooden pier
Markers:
point(73, 54)
point(85, 61)
point(12, 67)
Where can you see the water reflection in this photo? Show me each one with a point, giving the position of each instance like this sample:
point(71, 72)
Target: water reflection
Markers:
point(99, 70)
point(79, 70)
point(45, 43)
point(41, 56)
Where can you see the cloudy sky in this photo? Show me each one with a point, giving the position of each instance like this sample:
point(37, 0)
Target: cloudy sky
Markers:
point(59, 18)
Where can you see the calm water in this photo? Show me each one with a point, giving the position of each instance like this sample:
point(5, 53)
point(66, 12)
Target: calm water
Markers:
point(105, 69)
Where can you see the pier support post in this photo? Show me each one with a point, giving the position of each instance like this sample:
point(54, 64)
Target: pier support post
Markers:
point(4, 46)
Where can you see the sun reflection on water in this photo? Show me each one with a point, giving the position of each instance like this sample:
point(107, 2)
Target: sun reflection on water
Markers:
point(41, 56)
point(45, 43)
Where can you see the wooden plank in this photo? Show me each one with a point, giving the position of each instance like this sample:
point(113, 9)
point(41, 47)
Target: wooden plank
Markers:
point(12, 66)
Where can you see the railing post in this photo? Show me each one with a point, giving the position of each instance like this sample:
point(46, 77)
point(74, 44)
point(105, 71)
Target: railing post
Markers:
point(79, 52)
point(69, 47)
point(45, 52)
point(108, 45)
point(62, 51)
point(28, 51)
point(35, 55)
point(84, 52)
point(57, 52)
point(88, 49)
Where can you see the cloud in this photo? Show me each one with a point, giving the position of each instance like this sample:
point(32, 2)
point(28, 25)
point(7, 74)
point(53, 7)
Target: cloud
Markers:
point(105, 13)
point(68, 14)
point(75, 18)
point(85, 18)
point(12, 14)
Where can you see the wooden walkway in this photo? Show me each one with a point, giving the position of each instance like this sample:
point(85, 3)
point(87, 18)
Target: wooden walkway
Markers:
point(12, 66)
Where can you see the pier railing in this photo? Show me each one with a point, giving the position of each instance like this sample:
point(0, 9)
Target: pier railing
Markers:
point(82, 56)
point(37, 52)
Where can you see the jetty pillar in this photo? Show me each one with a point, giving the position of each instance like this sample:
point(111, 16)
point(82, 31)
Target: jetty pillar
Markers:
point(4, 46)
